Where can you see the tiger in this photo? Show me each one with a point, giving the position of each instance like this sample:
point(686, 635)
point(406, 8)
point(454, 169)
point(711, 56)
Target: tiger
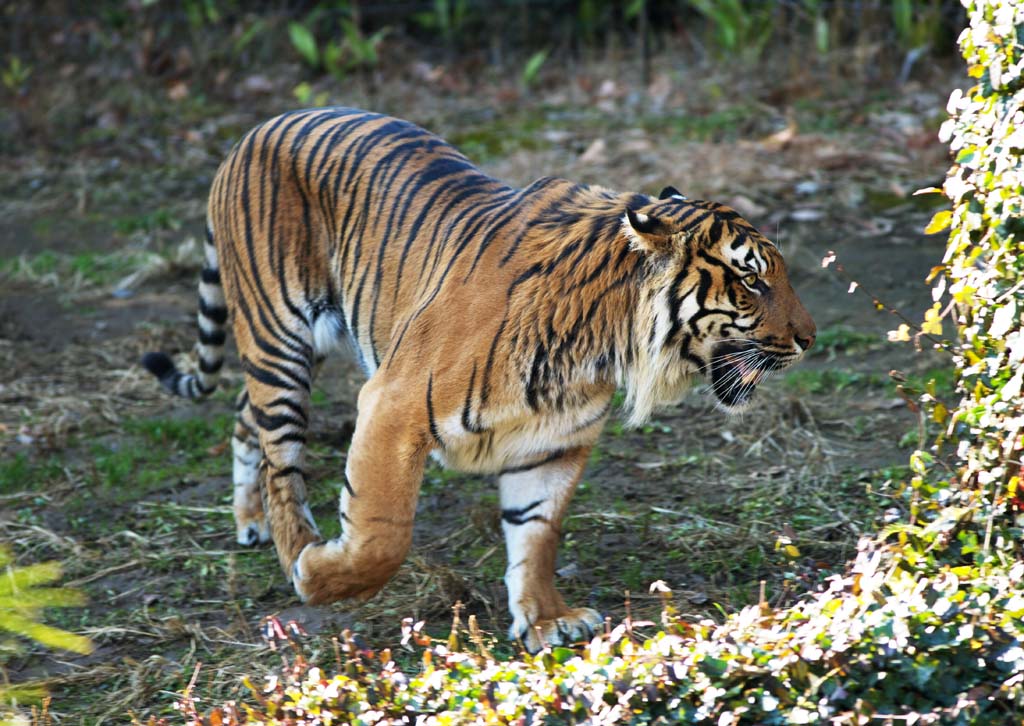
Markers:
point(494, 325)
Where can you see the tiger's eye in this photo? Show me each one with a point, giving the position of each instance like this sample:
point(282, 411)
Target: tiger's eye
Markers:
point(750, 280)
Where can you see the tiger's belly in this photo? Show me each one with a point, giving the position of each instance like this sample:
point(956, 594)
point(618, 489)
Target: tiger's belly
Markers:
point(520, 442)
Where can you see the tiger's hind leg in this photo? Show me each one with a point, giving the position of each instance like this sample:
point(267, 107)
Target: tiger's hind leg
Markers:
point(251, 523)
point(533, 502)
point(278, 366)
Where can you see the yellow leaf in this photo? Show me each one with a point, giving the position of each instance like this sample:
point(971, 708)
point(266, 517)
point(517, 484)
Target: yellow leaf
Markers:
point(1011, 486)
point(939, 413)
point(900, 335)
point(939, 222)
point(928, 190)
point(932, 324)
point(964, 294)
point(791, 550)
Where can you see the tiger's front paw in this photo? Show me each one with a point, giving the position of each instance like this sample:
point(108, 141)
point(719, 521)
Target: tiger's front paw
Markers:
point(574, 626)
point(326, 572)
point(252, 531)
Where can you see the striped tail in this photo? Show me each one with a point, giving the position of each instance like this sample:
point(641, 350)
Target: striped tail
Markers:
point(212, 317)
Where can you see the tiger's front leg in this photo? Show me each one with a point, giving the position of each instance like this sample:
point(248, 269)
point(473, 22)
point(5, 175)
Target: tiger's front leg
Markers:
point(533, 503)
point(377, 504)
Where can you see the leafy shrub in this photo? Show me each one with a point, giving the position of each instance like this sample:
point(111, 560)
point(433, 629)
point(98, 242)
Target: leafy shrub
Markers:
point(927, 623)
point(22, 600)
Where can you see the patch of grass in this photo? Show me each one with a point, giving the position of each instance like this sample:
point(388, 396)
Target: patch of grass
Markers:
point(502, 137)
point(830, 381)
point(188, 435)
point(152, 452)
point(24, 473)
point(721, 124)
point(938, 382)
point(155, 220)
point(75, 270)
point(843, 339)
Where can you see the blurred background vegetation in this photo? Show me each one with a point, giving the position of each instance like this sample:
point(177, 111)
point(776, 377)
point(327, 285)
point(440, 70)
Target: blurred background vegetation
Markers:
point(60, 53)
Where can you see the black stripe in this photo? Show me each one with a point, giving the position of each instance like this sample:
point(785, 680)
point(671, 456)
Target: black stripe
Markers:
point(273, 422)
point(430, 411)
point(553, 456)
point(289, 404)
point(467, 420)
point(290, 437)
point(210, 275)
point(288, 471)
point(217, 337)
point(211, 366)
point(266, 377)
point(518, 516)
point(216, 313)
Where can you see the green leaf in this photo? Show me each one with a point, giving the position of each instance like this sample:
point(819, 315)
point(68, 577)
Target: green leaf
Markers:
point(714, 666)
point(304, 43)
point(821, 34)
point(561, 655)
point(533, 66)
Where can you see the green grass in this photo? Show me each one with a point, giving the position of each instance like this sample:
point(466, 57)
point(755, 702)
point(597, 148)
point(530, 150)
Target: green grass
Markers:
point(831, 381)
point(844, 339)
point(91, 268)
point(190, 435)
point(937, 382)
point(497, 139)
point(151, 453)
point(152, 221)
point(25, 473)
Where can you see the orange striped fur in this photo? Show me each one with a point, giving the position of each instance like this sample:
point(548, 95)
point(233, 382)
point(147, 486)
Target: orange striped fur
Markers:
point(494, 325)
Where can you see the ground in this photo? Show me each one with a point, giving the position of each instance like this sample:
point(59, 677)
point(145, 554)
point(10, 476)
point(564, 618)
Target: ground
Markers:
point(130, 489)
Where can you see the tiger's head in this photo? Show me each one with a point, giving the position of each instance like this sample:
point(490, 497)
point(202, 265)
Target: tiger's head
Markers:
point(715, 301)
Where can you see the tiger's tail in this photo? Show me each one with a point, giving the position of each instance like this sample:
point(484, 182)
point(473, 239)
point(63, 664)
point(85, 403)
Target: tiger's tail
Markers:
point(212, 318)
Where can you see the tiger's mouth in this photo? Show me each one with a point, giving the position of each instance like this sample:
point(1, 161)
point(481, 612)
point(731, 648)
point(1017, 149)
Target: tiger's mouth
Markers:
point(737, 369)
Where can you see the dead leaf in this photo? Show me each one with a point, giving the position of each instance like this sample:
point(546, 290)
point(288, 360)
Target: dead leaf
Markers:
point(177, 91)
point(746, 206)
point(595, 153)
point(780, 139)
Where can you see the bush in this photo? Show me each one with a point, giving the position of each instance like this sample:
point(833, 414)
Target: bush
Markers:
point(927, 624)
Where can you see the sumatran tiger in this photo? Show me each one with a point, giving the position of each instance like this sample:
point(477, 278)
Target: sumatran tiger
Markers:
point(494, 325)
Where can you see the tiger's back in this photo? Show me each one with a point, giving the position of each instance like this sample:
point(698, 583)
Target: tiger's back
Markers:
point(352, 214)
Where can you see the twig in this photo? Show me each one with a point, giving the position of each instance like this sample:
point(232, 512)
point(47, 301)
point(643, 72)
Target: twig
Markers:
point(104, 572)
point(831, 260)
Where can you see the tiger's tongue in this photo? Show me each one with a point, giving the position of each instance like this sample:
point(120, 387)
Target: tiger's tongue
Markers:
point(748, 373)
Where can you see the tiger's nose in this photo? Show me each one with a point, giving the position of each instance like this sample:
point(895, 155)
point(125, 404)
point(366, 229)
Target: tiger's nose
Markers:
point(804, 343)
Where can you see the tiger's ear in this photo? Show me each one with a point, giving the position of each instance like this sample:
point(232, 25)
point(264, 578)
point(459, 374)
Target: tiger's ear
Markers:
point(669, 192)
point(646, 233)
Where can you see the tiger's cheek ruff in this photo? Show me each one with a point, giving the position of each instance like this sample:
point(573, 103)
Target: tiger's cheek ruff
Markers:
point(661, 373)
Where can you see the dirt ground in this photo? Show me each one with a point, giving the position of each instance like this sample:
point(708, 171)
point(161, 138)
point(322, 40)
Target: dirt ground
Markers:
point(130, 490)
